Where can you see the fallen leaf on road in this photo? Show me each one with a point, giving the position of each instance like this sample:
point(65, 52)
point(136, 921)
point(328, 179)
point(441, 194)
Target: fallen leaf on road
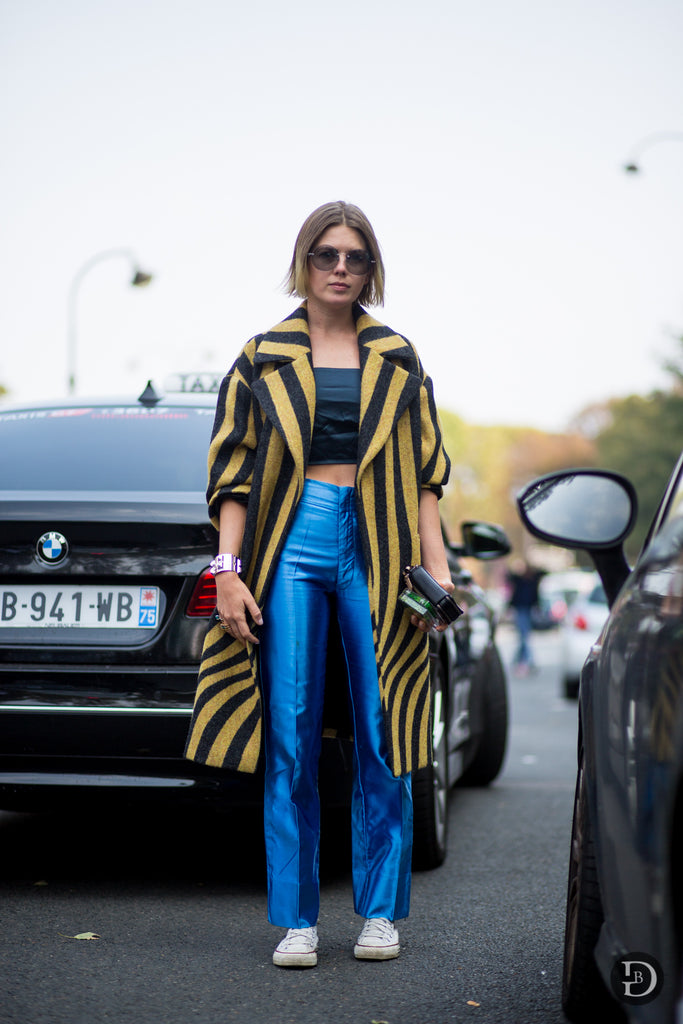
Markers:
point(41, 882)
point(82, 935)
point(471, 1002)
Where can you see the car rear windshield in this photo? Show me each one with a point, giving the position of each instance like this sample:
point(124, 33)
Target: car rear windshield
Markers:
point(105, 448)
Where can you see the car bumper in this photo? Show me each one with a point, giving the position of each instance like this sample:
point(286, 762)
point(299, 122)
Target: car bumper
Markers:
point(51, 756)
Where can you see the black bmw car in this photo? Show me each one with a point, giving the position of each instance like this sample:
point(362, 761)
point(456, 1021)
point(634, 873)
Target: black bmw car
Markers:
point(105, 597)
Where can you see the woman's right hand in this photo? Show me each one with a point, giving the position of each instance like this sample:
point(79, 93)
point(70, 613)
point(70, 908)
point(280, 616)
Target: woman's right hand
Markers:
point(234, 602)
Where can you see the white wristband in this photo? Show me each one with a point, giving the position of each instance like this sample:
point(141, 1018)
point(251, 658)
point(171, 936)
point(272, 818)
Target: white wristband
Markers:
point(225, 563)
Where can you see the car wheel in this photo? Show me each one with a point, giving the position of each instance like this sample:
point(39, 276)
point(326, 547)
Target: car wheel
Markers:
point(571, 687)
point(584, 994)
point(488, 759)
point(430, 785)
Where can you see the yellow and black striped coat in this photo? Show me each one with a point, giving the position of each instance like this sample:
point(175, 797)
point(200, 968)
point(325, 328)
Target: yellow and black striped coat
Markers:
point(258, 455)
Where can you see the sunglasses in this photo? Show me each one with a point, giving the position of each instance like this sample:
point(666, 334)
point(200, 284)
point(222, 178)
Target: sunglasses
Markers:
point(325, 257)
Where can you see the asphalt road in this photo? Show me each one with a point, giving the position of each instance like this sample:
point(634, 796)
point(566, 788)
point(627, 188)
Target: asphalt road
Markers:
point(179, 908)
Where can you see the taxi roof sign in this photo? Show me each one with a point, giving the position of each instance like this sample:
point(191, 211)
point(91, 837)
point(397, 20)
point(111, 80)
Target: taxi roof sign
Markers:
point(205, 382)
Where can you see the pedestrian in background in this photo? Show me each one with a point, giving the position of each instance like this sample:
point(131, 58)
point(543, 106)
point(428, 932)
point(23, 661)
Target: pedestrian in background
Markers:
point(325, 469)
point(523, 581)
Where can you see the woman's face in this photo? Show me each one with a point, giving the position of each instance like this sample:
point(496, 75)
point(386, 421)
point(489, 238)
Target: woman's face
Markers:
point(337, 288)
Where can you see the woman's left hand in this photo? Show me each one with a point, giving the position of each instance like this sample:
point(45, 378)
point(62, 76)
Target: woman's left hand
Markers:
point(444, 578)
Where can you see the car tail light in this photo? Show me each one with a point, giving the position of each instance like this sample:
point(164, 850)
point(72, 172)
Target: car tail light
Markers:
point(203, 600)
point(580, 622)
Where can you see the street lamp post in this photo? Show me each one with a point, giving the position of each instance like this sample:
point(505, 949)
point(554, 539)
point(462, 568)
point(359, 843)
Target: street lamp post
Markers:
point(138, 279)
point(632, 165)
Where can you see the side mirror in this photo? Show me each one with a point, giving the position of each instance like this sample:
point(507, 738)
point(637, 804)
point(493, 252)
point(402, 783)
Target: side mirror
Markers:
point(484, 541)
point(591, 509)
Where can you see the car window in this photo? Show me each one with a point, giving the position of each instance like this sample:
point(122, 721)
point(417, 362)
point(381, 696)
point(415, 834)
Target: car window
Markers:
point(104, 448)
point(676, 504)
point(671, 507)
point(597, 595)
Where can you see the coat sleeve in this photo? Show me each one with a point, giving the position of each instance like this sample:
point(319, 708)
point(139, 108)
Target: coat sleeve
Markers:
point(436, 465)
point(232, 451)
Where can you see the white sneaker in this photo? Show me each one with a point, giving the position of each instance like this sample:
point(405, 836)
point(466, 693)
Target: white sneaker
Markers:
point(377, 941)
point(298, 948)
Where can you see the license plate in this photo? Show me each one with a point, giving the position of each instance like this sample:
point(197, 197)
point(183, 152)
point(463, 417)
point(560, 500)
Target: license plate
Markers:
point(72, 607)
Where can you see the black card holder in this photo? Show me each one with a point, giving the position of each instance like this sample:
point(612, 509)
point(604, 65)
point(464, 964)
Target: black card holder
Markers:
point(424, 584)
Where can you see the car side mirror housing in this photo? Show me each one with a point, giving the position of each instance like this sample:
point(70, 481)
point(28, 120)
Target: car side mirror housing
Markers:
point(484, 541)
point(591, 509)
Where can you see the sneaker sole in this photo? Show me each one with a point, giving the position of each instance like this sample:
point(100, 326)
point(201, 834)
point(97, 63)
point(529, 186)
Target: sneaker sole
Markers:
point(376, 952)
point(295, 959)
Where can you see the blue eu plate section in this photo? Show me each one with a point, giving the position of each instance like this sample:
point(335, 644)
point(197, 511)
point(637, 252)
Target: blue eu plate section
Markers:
point(149, 606)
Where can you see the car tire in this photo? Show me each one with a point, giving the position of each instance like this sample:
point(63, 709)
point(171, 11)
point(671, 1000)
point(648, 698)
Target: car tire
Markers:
point(585, 997)
point(430, 785)
point(488, 759)
point(570, 686)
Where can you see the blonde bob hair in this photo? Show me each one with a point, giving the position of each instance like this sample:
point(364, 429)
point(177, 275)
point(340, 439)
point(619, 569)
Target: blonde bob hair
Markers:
point(327, 216)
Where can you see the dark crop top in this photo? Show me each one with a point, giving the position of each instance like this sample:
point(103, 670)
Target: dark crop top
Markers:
point(337, 416)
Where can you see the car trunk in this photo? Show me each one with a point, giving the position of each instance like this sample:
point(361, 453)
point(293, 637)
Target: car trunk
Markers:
point(107, 632)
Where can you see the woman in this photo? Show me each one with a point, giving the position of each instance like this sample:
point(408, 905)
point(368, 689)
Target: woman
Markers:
point(325, 469)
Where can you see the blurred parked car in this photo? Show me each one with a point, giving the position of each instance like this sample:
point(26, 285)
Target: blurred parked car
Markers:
point(624, 929)
point(556, 591)
point(105, 597)
point(581, 626)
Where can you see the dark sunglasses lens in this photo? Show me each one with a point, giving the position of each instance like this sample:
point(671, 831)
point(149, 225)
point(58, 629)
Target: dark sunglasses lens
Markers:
point(357, 262)
point(325, 259)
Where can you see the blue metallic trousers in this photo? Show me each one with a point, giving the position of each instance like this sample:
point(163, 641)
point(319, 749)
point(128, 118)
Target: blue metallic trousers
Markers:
point(322, 567)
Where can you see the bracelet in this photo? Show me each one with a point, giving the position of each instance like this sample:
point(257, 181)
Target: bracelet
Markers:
point(225, 563)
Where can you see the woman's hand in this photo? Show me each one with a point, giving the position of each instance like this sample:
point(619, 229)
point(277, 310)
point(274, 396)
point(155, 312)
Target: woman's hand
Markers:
point(443, 577)
point(234, 602)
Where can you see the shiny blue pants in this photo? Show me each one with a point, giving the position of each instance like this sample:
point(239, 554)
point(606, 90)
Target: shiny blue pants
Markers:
point(322, 567)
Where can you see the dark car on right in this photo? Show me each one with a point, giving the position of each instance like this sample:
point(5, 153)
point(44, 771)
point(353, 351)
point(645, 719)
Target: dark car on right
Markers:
point(624, 924)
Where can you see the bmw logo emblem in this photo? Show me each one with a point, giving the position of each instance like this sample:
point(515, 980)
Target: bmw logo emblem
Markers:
point(52, 548)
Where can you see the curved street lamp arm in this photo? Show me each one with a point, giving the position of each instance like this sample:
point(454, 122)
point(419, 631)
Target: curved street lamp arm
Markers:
point(138, 278)
point(631, 166)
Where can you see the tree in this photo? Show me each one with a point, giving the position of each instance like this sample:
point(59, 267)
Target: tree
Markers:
point(643, 440)
point(639, 436)
point(489, 465)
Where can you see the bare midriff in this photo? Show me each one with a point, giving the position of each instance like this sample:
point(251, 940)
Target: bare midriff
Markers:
point(340, 474)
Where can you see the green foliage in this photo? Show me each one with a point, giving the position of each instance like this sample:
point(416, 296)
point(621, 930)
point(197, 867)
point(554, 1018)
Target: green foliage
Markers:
point(642, 438)
point(643, 442)
point(639, 436)
point(489, 465)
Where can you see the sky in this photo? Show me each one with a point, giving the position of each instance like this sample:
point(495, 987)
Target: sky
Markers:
point(485, 141)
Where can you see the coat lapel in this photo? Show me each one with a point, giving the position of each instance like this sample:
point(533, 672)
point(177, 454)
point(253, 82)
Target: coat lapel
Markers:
point(386, 388)
point(286, 388)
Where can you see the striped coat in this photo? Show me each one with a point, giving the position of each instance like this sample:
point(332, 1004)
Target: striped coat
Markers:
point(258, 455)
